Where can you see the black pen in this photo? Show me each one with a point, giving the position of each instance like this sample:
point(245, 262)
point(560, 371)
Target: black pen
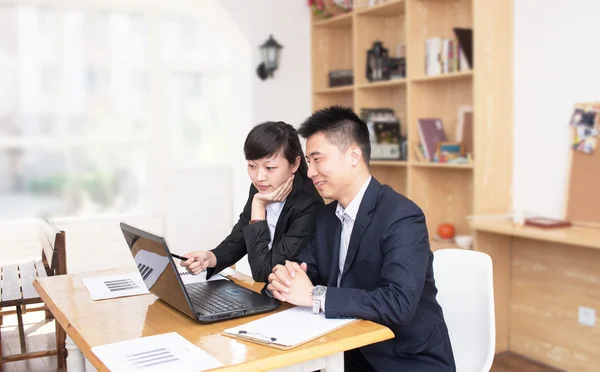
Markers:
point(179, 257)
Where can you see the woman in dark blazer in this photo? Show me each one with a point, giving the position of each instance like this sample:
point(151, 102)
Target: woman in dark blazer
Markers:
point(279, 216)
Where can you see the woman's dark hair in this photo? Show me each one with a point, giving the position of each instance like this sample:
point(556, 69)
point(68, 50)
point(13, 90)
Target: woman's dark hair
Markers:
point(267, 138)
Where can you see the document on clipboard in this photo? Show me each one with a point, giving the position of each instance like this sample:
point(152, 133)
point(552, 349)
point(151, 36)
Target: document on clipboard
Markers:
point(287, 329)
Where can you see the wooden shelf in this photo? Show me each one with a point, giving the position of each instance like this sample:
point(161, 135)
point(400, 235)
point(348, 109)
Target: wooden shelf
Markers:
point(447, 193)
point(441, 165)
point(445, 77)
point(383, 84)
point(343, 89)
point(390, 8)
point(388, 163)
point(578, 236)
point(340, 21)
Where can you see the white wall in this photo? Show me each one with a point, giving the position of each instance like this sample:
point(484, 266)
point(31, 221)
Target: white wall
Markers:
point(556, 65)
point(198, 207)
point(286, 97)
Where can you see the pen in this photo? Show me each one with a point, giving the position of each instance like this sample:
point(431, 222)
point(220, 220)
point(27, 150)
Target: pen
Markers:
point(179, 257)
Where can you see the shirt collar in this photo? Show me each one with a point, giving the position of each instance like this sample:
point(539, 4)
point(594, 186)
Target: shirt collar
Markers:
point(351, 211)
point(276, 207)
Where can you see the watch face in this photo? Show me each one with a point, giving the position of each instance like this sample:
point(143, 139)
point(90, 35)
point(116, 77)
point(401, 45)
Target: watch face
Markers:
point(319, 291)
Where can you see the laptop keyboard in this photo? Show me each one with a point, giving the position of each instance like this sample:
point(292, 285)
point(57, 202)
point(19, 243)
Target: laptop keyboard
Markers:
point(212, 301)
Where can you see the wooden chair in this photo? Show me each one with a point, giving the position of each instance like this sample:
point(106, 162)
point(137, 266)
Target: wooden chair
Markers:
point(17, 291)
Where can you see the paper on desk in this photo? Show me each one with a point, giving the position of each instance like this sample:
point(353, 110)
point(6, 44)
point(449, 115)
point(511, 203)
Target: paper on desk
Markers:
point(113, 286)
point(165, 352)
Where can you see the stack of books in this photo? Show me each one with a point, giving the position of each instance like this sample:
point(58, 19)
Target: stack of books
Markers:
point(443, 56)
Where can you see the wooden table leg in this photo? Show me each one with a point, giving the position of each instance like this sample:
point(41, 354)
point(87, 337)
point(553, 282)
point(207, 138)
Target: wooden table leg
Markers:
point(75, 359)
point(61, 348)
point(21, 329)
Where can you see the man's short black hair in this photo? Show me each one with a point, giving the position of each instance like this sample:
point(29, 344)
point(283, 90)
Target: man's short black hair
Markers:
point(341, 126)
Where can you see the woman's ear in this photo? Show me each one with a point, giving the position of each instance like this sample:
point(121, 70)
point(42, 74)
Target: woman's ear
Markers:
point(296, 164)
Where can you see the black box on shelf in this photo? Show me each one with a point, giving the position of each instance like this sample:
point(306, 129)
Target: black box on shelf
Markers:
point(339, 78)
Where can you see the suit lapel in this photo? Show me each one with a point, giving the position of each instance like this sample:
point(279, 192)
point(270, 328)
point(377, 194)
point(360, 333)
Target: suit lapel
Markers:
point(335, 244)
point(363, 219)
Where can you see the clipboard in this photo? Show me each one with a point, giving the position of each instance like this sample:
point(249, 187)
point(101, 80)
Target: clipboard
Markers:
point(287, 329)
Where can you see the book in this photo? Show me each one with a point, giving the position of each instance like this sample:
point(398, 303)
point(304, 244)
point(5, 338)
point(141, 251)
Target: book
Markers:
point(465, 39)
point(444, 56)
point(418, 152)
point(464, 130)
point(431, 131)
point(546, 223)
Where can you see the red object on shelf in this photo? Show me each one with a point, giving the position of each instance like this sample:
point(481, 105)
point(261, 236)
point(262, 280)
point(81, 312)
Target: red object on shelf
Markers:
point(446, 231)
point(546, 223)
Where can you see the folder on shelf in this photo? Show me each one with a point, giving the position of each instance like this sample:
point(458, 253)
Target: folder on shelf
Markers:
point(287, 329)
point(464, 131)
point(465, 39)
point(431, 132)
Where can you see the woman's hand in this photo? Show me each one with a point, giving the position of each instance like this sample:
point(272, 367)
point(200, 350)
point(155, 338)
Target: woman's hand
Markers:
point(278, 195)
point(260, 201)
point(198, 261)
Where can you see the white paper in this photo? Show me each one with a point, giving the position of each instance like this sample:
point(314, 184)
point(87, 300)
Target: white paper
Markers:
point(151, 266)
point(113, 286)
point(290, 327)
point(165, 352)
point(189, 278)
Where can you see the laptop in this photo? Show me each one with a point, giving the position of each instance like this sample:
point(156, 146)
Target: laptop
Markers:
point(207, 302)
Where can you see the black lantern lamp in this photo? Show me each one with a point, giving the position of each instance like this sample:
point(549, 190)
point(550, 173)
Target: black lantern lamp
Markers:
point(376, 59)
point(270, 51)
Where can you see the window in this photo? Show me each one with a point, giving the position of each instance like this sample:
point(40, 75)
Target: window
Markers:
point(97, 105)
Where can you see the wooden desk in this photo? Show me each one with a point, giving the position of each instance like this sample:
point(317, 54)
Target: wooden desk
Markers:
point(541, 278)
point(91, 323)
point(574, 235)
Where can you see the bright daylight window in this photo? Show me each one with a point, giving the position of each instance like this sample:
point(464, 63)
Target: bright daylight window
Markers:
point(97, 106)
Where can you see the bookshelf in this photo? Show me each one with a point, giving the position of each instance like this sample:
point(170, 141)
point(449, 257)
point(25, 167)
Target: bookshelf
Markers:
point(445, 192)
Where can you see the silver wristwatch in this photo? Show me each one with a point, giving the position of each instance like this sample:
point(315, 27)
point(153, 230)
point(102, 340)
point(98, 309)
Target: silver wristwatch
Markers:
point(318, 295)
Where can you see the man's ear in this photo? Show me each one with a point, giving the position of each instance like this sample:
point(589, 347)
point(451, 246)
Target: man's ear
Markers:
point(296, 164)
point(355, 155)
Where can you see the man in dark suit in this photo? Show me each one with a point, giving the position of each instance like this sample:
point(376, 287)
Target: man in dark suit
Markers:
point(369, 257)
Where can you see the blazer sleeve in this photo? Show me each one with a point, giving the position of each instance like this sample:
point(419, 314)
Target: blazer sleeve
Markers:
point(257, 237)
point(233, 247)
point(405, 245)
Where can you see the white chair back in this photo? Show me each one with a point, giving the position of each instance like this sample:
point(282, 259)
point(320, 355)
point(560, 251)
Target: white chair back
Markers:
point(464, 280)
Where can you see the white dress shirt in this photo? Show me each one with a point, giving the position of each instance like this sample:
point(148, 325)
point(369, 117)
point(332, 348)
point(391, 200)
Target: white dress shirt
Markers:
point(348, 216)
point(273, 211)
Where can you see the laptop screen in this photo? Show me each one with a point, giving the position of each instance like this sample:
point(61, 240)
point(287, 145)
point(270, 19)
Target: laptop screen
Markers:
point(157, 268)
